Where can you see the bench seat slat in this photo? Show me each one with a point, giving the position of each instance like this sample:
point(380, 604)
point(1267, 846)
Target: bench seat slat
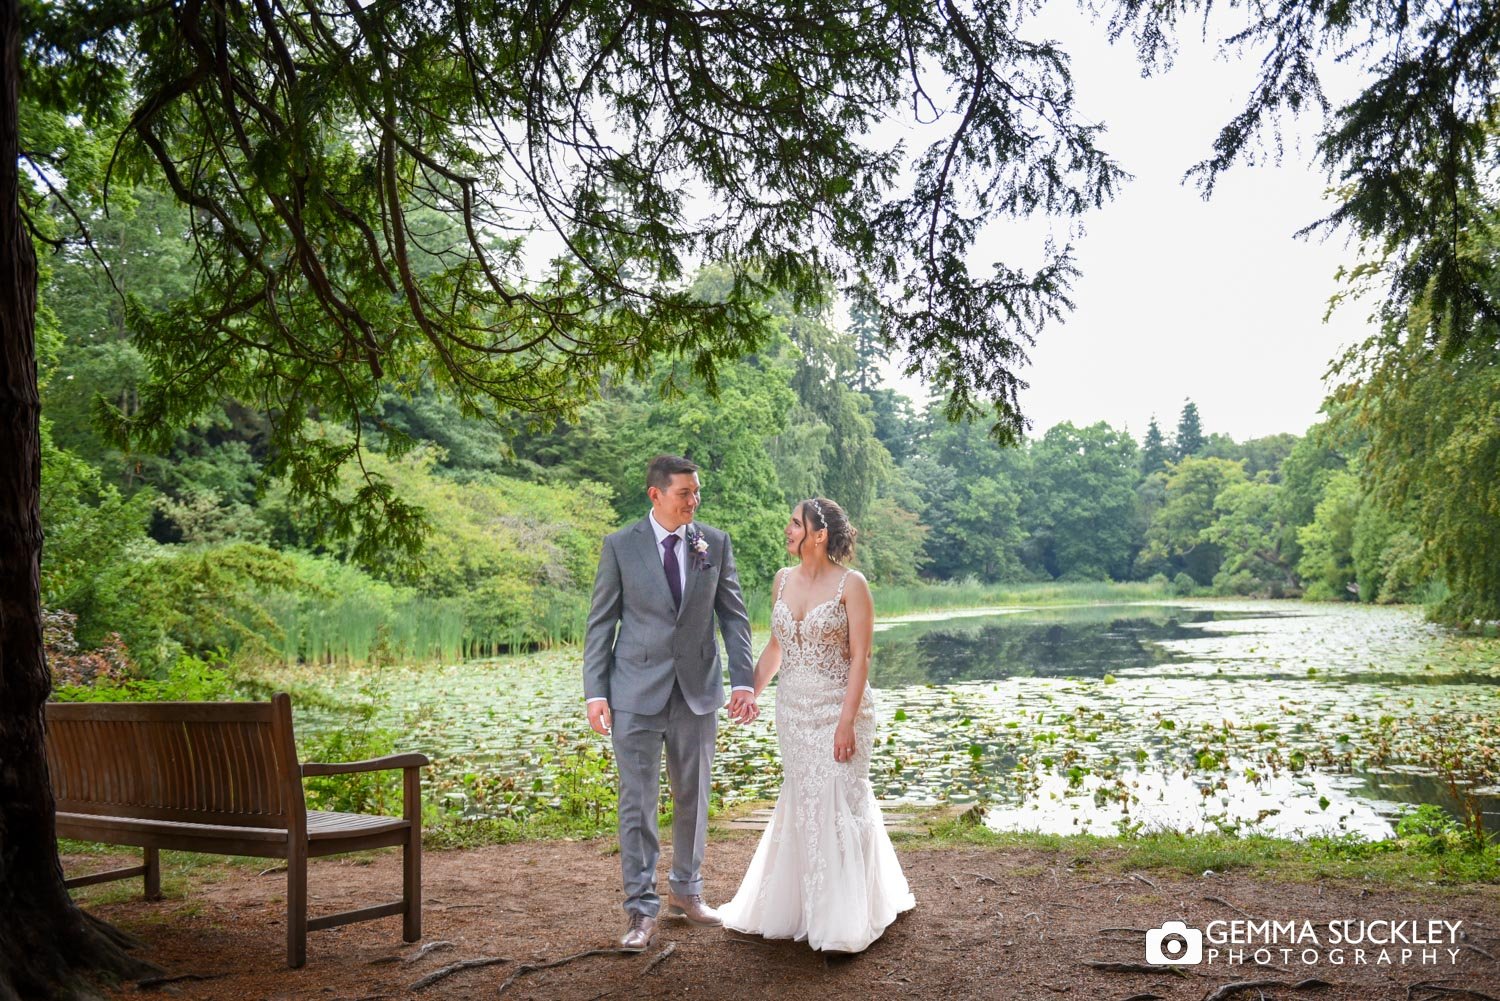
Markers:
point(327, 824)
point(95, 821)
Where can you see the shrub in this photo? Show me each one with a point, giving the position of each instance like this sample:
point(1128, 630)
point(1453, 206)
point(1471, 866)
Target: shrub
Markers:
point(110, 662)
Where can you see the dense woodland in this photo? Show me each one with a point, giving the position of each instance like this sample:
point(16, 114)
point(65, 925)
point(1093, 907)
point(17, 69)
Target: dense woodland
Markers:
point(203, 549)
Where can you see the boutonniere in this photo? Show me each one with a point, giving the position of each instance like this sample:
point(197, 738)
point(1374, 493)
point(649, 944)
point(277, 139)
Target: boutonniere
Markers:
point(699, 545)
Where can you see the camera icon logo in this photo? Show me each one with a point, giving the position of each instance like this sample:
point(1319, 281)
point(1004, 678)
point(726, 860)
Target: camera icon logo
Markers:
point(1174, 944)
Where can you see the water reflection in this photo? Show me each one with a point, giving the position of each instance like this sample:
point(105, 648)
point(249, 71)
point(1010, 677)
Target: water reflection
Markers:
point(1085, 642)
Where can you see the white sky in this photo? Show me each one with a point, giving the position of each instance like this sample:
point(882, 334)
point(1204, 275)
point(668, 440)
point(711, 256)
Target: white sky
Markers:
point(1180, 297)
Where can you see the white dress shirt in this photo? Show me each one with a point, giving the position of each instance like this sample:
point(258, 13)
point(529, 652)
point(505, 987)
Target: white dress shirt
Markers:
point(682, 558)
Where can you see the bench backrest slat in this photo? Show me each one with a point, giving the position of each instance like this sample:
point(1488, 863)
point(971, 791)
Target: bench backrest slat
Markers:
point(191, 762)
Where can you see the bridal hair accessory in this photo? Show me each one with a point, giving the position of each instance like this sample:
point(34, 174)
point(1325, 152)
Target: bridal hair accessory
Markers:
point(831, 518)
point(699, 545)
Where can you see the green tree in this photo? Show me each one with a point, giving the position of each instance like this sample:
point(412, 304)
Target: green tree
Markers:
point(1260, 455)
point(1390, 558)
point(1304, 475)
point(1248, 531)
point(869, 348)
point(467, 443)
point(727, 436)
point(1150, 495)
point(971, 490)
point(829, 447)
point(895, 422)
point(143, 243)
point(1154, 451)
point(1189, 437)
point(889, 550)
point(1432, 423)
point(515, 556)
point(1079, 502)
point(1327, 563)
point(1179, 536)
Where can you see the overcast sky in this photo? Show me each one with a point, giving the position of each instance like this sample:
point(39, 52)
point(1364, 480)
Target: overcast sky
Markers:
point(1179, 297)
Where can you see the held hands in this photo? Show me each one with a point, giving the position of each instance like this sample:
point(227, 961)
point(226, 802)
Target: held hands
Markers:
point(742, 707)
point(599, 717)
point(843, 741)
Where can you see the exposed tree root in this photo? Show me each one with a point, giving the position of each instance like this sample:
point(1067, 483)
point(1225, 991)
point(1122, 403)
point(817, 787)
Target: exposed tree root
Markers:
point(459, 967)
point(526, 968)
point(1230, 989)
point(659, 958)
point(1111, 966)
point(1237, 910)
point(151, 983)
point(1439, 988)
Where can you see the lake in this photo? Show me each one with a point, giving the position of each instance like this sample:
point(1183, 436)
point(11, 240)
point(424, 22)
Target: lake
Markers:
point(1285, 718)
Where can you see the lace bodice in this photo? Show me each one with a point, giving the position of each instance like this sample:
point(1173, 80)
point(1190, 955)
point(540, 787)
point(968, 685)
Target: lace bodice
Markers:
point(818, 641)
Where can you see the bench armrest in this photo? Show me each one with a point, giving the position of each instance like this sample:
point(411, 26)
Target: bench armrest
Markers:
point(390, 761)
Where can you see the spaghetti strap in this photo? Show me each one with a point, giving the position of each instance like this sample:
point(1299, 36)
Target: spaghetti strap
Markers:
point(840, 595)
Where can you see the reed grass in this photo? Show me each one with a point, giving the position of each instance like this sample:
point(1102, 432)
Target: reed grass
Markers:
point(360, 628)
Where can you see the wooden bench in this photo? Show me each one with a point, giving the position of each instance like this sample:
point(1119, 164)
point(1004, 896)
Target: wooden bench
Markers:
point(220, 777)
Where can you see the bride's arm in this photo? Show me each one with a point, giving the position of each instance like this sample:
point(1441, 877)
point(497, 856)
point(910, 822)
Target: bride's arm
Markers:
point(767, 666)
point(861, 610)
point(770, 658)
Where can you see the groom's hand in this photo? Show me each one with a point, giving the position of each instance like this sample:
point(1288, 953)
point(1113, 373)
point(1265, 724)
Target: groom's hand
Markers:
point(742, 707)
point(599, 717)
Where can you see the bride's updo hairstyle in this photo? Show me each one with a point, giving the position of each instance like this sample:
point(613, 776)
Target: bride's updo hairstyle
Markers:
point(819, 513)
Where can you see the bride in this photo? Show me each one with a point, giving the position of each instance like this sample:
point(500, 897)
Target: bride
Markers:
point(825, 870)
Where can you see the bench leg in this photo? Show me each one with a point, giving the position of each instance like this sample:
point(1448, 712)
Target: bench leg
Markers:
point(411, 861)
point(153, 874)
point(296, 907)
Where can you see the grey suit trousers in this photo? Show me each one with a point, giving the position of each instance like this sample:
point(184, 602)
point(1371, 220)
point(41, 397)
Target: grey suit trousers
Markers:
point(638, 740)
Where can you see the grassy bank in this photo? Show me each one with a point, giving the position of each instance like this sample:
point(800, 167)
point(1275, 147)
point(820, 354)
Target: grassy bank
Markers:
point(1445, 860)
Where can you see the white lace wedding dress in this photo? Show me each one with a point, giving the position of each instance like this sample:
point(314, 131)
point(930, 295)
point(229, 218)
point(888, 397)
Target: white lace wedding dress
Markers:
point(825, 870)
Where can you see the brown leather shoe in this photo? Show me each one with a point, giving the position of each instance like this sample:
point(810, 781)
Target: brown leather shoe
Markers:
point(692, 907)
point(638, 934)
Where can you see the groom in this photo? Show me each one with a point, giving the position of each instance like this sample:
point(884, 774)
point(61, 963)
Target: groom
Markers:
point(658, 682)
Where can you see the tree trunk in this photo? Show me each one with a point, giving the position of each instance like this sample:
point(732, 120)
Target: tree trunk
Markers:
point(46, 943)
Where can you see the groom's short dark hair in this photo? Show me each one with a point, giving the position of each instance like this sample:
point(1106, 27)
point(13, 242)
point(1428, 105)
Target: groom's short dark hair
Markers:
point(659, 474)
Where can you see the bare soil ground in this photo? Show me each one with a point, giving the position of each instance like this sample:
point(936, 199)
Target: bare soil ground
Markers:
point(989, 923)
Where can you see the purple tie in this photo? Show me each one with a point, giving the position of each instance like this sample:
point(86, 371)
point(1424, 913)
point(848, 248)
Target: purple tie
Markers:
point(669, 564)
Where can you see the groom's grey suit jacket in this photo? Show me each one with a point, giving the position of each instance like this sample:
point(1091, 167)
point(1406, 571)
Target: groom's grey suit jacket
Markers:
point(656, 644)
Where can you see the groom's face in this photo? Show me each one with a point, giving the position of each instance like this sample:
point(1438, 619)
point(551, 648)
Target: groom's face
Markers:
point(675, 504)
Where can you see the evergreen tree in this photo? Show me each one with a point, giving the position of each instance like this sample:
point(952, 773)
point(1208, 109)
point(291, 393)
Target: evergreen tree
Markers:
point(1189, 437)
point(1154, 451)
point(869, 348)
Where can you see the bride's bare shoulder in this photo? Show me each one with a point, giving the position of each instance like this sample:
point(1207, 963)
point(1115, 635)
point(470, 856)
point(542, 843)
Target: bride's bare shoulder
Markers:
point(856, 584)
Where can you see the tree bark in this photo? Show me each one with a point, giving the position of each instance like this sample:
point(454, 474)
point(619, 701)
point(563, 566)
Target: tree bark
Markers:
point(47, 945)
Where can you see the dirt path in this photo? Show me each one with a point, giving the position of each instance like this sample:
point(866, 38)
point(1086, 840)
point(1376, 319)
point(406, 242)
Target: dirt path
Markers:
point(989, 923)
